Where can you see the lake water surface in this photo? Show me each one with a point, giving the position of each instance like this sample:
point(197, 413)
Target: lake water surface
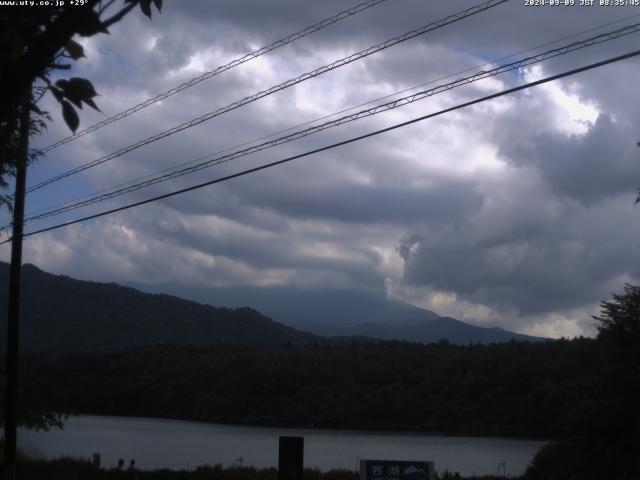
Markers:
point(176, 444)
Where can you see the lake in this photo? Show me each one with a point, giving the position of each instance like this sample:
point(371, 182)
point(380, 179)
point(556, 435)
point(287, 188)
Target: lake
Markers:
point(176, 444)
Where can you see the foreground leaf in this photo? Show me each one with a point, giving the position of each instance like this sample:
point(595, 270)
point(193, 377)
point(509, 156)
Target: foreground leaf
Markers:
point(74, 49)
point(70, 116)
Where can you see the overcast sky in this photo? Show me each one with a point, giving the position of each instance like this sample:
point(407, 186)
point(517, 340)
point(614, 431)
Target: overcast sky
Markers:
point(516, 212)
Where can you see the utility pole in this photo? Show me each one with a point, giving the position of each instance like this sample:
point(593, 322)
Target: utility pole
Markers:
point(10, 416)
point(638, 197)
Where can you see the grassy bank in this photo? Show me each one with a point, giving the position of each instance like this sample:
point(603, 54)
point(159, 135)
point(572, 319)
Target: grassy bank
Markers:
point(78, 469)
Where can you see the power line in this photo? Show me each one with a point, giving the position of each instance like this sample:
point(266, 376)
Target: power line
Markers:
point(563, 50)
point(338, 144)
point(282, 86)
point(324, 117)
point(218, 70)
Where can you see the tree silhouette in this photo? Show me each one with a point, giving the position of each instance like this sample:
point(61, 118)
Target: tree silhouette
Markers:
point(34, 43)
point(620, 320)
point(603, 434)
point(619, 336)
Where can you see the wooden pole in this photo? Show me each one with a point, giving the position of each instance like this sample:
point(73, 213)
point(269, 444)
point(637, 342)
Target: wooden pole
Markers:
point(11, 403)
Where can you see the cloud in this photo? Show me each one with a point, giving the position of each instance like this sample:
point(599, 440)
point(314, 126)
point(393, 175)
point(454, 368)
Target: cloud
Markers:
point(528, 248)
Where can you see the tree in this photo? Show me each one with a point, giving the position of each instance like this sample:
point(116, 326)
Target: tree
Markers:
point(34, 43)
point(620, 321)
point(603, 436)
point(619, 338)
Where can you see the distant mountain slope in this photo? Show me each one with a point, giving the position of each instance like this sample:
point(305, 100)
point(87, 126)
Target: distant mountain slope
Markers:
point(345, 313)
point(61, 314)
point(324, 309)
point(443, 328)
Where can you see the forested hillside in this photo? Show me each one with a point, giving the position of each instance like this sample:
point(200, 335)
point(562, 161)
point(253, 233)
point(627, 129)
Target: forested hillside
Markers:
point(62, 314)
point(518, 388)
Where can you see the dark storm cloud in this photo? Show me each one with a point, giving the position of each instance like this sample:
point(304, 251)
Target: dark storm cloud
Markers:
point(222, 237)
point(503, 30)
point(589, 167)
point(566, 243)
point(364, 203)
point(563, 263)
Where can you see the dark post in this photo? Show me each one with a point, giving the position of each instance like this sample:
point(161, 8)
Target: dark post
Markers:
point(14, 297)
point(291, 458)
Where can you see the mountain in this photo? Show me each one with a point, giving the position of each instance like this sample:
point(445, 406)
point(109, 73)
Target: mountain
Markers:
point(62, 314)
point(434, 330)
point(344, 313)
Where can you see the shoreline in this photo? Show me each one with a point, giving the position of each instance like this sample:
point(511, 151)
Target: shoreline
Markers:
point(335, 430)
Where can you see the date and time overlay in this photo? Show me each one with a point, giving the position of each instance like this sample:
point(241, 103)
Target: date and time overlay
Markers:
point(526, 3)
point(581, 3)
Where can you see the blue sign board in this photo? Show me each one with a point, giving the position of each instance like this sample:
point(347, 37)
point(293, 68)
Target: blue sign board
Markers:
point(396, 470)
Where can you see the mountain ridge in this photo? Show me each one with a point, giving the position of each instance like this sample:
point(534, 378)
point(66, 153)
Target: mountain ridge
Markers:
point(330, 313)
point(63, 314)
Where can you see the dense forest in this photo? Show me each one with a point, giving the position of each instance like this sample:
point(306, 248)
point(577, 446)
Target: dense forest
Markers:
point(517, 388)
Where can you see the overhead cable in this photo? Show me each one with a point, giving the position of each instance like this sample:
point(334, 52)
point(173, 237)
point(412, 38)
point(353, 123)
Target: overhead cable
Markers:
point(282, 86)
point(345, 119)
point(218, 70)
point(335, 145)
point(324, 117)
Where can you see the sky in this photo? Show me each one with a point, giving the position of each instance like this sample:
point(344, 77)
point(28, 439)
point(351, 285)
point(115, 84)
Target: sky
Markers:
point(516, 212)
